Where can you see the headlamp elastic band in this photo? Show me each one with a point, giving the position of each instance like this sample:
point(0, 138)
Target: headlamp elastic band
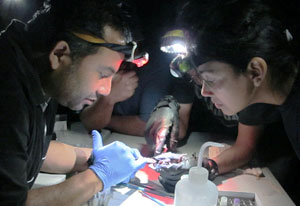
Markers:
point(89, 38)
point(128, 50)
point(173, 33)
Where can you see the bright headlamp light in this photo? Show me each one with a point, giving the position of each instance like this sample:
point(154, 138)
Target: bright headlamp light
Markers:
point(174, 42)
point(177, 42)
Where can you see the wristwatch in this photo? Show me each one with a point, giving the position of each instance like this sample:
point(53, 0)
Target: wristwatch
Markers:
point(212, 168)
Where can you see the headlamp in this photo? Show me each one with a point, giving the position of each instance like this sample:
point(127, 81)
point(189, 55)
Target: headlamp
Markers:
point(128, 50)
point(141, 59)
point(177, 42)
point(180, 65)
point(174, 42)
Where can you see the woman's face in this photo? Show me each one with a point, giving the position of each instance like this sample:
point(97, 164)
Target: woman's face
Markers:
point(229, 91)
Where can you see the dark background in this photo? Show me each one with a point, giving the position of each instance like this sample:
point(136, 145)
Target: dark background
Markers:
point(18, 9)
point(155, 18)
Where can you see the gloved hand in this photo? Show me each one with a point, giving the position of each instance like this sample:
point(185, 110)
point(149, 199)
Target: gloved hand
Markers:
point(114, 163)
point(169, 177)
point(163, 125)
point(171, 167)
point(212, 168)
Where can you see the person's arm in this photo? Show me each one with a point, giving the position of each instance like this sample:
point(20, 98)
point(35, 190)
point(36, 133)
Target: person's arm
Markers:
point(74, 191)
point(102, 174)
point(131, 125)
point(98, 115)
point(241, 152)
point(63, 158)
point(153, 90)
point(184, 115)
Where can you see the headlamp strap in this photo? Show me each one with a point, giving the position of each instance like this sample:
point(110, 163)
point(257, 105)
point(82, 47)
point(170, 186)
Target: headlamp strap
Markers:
point(134, 46)
point(89, 38)
point(128, 49)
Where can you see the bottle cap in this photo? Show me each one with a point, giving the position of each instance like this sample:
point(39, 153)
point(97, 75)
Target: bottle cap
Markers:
point(223, 201)
point(198, 175)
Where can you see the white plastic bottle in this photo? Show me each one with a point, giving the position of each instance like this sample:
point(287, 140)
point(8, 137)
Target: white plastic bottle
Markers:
point(195, 189)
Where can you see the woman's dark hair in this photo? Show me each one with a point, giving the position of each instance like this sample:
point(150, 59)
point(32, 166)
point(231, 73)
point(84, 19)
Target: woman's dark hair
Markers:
point(58, 18)
point(235, 31)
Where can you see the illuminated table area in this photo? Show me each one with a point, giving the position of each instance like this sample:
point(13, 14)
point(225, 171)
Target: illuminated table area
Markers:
point(267, 190)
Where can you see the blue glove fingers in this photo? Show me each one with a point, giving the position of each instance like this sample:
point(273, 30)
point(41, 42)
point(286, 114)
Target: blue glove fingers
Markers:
point(140, 163)
point(140, 160)
point(116, 162)
point(136, 153)
point(97, 140)
point(133, 174)
point(128, 179)
point(137, 164)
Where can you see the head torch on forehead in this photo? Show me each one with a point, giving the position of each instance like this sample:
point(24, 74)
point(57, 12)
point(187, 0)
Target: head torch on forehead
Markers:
point(128, 50)
point(180, 65)
point(177, 42)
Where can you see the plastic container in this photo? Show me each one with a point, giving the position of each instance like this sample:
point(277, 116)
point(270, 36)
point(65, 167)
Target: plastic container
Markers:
point(223, 201)
point(195, 189)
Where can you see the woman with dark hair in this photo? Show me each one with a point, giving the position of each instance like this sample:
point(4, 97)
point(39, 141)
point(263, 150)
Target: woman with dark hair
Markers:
point(246, 59)
point(247, 54)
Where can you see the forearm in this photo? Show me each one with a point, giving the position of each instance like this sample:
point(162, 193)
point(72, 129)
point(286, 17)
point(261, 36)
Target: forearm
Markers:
point(232, 158)
point(74, 191)
point(182, 129)
point(63, 158)
point(184, 115)
point(241, 152)
point(97, 115)
point(131, 125)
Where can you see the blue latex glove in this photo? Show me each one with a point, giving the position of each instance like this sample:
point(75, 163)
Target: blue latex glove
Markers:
point(114, 163)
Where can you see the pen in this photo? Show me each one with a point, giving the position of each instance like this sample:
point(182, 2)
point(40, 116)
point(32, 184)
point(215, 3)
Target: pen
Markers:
point(145, 189)
point(152, 198)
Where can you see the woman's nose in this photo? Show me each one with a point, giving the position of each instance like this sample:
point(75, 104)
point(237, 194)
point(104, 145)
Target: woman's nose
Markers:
point(105, 86)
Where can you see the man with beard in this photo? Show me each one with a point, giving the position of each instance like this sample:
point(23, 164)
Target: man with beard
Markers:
point(68, 53)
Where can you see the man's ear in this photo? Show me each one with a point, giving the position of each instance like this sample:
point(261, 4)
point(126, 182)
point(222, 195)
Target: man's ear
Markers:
point(59, 54)
point(257, 70)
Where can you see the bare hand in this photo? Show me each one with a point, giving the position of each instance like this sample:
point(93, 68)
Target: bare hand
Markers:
point(123, 86)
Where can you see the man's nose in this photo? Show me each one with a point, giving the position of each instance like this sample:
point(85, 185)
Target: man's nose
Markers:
point(105, 86)
point(205, 90)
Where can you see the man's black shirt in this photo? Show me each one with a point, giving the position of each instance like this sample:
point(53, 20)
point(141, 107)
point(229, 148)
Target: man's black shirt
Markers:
point(26, 117)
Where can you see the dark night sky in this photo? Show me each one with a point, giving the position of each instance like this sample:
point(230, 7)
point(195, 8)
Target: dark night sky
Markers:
point(153, 14)
point(19, 9)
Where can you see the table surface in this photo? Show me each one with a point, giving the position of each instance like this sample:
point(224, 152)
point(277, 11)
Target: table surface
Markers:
point(267, 189)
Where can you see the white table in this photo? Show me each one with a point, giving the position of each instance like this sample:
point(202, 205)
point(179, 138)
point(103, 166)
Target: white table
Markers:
point(267, 189)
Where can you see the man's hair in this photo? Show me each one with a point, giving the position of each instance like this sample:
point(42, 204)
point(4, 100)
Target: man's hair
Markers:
point(57, 19)
point(235, 31)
